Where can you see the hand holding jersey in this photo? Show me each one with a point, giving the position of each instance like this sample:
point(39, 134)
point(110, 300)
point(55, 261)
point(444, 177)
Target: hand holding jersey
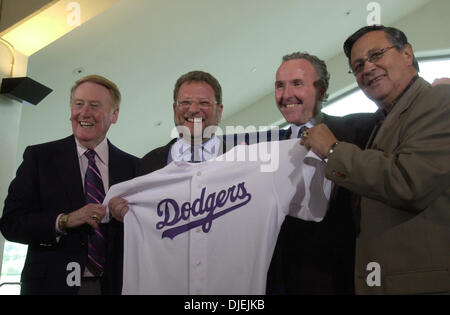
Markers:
point(194, 218)
point(118, 207)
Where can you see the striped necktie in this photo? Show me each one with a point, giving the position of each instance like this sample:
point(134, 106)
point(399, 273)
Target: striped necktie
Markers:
point(95, 193)
point(196, 154)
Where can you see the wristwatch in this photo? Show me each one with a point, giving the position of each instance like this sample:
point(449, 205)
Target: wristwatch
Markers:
point(331, 150)
point(62, 222)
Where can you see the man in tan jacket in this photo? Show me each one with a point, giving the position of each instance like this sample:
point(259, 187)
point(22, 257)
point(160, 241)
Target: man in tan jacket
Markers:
point(401, 181)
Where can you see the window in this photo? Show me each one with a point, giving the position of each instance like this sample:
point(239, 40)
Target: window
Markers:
point(13, 260)
point(357, 102)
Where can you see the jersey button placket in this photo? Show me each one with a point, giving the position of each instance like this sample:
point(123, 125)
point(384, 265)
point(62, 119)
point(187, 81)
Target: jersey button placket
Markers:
point(197, 243)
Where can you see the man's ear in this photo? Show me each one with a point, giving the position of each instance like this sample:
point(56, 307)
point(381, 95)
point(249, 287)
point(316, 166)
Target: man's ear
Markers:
point(115, 116)
point(408, 54)
point(219, 113)
point(321, 92)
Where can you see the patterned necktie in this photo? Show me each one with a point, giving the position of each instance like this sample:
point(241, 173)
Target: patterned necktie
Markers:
point(95, 193)
point(302, 130)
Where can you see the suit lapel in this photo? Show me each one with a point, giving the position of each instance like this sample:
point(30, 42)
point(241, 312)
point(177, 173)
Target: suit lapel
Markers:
point(338, 128)
point(68, 169)
point(287, 134)
point(163, 154)
point(114, 165)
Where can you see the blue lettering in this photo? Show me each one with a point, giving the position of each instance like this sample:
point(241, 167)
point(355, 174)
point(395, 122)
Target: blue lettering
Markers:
point(170, 211)
point(166, 203)
point(185, 210)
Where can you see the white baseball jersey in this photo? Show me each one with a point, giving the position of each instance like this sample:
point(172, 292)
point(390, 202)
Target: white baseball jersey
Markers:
point(211, 227)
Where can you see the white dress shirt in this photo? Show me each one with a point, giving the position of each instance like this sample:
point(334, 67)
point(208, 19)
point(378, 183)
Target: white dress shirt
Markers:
point(181, 150)
point(295, 129)
point(102, 162)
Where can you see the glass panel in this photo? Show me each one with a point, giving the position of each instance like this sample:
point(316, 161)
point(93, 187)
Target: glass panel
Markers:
point(434, 69)
point(357, 102)
point(13, 261)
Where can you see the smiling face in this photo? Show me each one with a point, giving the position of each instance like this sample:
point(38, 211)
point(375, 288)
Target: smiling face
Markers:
point(385, 79)
point(92, 113)
point(295, 93)
point(198, 94)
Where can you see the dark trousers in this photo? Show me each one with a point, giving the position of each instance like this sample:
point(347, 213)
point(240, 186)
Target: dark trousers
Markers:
point(308, 260)
point(90, 286)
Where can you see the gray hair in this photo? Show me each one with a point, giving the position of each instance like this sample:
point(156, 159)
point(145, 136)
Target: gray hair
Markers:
point(98, 79)
point(323, 80)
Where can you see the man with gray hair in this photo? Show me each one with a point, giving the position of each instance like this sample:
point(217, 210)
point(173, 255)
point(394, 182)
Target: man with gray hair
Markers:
point(54, 202)
point(310, 257)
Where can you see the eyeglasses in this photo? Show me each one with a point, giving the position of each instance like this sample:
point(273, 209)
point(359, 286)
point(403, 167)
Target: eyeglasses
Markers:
point(373, 57)
point(205, 104)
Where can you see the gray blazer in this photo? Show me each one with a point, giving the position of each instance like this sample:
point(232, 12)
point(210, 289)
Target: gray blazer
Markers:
point(403, 179)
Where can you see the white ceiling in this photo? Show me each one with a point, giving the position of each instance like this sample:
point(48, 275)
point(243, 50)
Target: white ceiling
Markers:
point(145, 45)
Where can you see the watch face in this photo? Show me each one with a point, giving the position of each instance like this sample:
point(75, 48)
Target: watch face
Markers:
point(64, 218)
point(331, 150)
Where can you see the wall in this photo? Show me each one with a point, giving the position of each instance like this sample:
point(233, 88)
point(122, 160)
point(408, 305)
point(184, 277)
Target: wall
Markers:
point(424, 29)
point(10, 112)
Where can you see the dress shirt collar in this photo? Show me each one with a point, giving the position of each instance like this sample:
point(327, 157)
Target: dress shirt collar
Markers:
point(101, 150)
point(181, 150)
point(388, 107)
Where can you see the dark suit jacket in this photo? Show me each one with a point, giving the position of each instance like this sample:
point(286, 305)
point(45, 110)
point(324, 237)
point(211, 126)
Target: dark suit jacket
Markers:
point(155, 159)
point(47, 183)
point(318, 258)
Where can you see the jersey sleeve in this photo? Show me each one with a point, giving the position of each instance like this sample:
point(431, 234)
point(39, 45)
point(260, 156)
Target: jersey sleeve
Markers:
point(299, 182)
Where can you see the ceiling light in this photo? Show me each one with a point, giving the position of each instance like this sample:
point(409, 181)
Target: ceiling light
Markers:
point(53, 22)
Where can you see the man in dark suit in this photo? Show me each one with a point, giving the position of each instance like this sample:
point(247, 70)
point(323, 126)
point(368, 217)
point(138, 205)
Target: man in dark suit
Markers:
point(402, 175)
point(46, 203)
point(310, 257)
point(197, 108)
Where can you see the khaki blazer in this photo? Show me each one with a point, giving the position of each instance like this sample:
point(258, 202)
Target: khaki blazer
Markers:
point(403, 179)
